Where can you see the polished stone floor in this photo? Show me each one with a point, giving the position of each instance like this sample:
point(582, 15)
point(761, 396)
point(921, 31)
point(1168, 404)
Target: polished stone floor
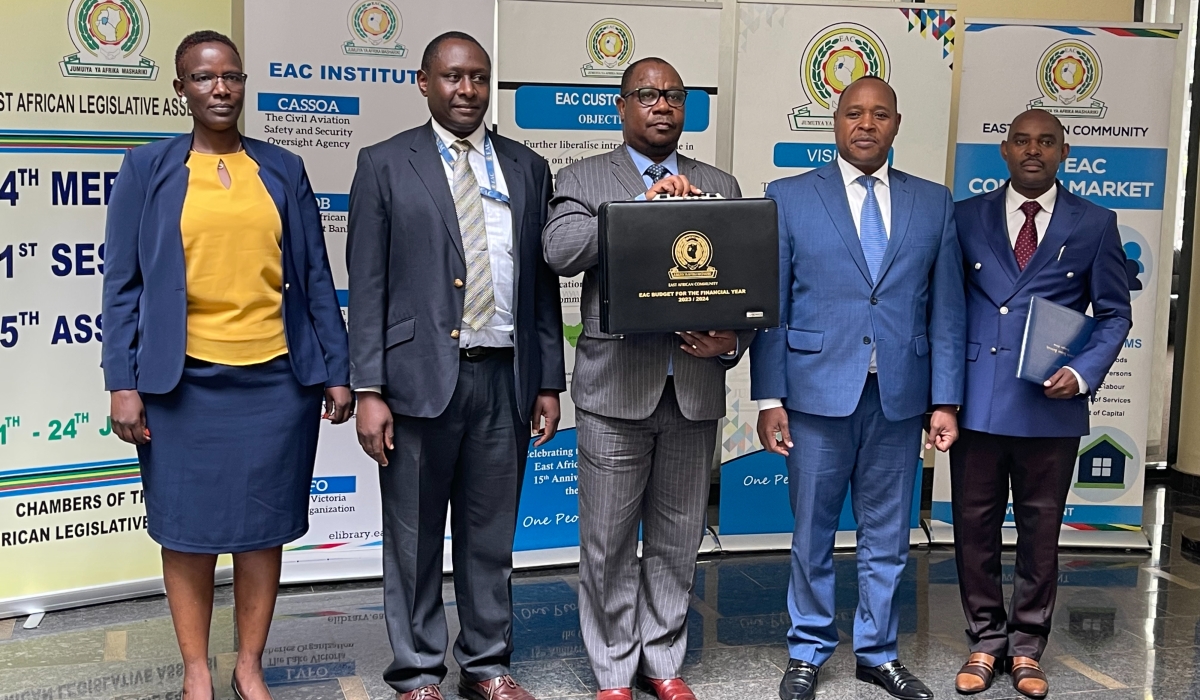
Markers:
point(1127, 625)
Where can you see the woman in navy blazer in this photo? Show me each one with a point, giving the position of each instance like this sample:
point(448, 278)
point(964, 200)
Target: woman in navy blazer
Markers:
point(223, 335)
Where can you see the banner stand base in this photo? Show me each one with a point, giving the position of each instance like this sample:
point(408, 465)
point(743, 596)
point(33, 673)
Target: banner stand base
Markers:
point(782, 541)
point(80, 597)
point(941, 532)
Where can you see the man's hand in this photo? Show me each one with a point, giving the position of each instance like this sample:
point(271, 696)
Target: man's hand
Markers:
point(546, 414)
point(374, 424)
point(674, 185)
point(129, 417)
point(710, 344)
point(1063, 385)
point(338, 404)
point(773, 431)
point(943, 428)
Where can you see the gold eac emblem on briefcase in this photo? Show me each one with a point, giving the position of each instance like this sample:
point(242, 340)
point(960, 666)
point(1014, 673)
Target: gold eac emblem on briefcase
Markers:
point(693, 252)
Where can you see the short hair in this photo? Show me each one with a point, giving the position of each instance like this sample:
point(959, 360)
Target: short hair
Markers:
point(895, 99)
point(204, 36)
point(1062, 130)
point(627, 76)
point(431, 49)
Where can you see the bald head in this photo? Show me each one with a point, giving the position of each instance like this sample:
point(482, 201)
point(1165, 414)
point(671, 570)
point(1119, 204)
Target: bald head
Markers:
point(867, 81)
point(1038, 121)
point(1035, 147)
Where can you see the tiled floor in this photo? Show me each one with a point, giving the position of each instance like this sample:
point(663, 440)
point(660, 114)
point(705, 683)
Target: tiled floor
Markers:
point(1127, 626)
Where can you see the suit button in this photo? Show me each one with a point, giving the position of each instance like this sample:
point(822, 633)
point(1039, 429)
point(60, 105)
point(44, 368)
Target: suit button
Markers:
point(458, 284)
point(287, 287)
point(866, 340)
point(993, 351)
point(1070, 275)
point(978, 265)
point(874, 301)
point(454, 334)
point(1003, 310)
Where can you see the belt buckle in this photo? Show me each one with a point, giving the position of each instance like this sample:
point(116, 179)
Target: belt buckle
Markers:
point(475, 352)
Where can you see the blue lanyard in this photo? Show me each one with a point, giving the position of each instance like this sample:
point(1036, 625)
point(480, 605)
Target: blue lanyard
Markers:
point(490, 191)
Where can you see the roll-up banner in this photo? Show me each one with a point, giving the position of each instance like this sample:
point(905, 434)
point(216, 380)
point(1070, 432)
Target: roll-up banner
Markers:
point(327, 79)
point(793, 62)
point(83, 81)
point(560, 66)
point(1111, 86)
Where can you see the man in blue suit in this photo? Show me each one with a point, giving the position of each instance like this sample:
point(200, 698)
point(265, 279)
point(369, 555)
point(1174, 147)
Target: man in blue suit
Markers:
point(871, 337)
point(1030, 238)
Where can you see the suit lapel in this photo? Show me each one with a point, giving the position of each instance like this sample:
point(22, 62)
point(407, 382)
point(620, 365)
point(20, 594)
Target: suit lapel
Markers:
point(995, 229)
point(171, 180)
point(833, 196)
point(274, 179)
point(427, 161)
point(1062, 222)
point(514, 179)
point(626, 172)
point(902, 205)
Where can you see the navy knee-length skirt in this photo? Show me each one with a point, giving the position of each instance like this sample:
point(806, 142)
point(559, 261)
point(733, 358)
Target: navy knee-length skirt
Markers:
point(230, 460)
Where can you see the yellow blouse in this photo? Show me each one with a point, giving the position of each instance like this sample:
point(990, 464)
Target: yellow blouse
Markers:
point(231, 248)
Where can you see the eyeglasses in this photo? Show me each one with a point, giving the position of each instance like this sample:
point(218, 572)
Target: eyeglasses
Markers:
point(648, 97)
point(206, 81)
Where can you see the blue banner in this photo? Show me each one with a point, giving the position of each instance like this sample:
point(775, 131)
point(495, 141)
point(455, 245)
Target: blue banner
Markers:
point(548, 515)
point(307, 104)
point(572, 108)
point(333, 202)
point(808, 155)
point(333, 484)
point(1113, 177)
point(755, 498)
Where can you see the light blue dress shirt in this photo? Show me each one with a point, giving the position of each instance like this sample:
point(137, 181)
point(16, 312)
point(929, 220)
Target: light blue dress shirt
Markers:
point(641, 162)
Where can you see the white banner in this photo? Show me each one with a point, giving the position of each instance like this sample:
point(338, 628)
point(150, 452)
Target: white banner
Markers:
point(793, 62)
point(1111, 87)
point(326, 79)
point(560, 65)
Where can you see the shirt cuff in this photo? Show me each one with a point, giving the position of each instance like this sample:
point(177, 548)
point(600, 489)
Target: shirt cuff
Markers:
point(767, 404)
point(372, 389)
point(640, 198)
point(1083, 385)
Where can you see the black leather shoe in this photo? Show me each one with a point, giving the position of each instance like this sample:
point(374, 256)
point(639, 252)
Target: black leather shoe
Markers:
point(799, 681)
point(895, 679)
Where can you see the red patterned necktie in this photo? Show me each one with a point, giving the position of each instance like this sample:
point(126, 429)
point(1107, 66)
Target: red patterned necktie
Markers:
point(1027, 237)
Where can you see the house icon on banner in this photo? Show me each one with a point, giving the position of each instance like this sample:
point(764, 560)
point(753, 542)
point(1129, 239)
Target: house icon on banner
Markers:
point(1102, 465)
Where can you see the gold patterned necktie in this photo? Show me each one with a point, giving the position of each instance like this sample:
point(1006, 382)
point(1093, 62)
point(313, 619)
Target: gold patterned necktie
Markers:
point(480, 302)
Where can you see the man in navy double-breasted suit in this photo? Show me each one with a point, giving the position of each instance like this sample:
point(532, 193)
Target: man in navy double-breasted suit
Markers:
point(871, 337)
point(1029, 238)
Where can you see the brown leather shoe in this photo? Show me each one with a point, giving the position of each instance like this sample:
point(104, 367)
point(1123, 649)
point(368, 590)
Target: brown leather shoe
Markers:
point(1028, 678)
point(429, 692)
point(670, 689)
point(498, 688)
point(976, 675)
point(615, 694)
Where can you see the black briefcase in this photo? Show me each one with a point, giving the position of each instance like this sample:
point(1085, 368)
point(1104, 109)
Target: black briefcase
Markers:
point(688, 265)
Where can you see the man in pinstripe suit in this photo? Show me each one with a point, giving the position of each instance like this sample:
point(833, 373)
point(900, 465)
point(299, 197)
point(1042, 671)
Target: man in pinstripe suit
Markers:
point(647, 408)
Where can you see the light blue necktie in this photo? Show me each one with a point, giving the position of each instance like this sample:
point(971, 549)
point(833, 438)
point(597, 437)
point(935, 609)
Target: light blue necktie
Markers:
point(871, 232)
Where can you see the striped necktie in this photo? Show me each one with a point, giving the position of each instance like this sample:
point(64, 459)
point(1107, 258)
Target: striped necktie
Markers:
point(871, 232)
point(480, 303)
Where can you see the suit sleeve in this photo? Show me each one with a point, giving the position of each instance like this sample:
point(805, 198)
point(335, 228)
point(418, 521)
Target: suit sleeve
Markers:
point(323, 305)
point(121, 303)
point(570, 240)
point(548, 308)
point(744, 338)
point(367, 244)
point(768, 352)
point(948, 316)
point(1108, 287)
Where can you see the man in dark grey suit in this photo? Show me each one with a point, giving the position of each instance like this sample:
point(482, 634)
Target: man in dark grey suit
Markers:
point(647, 407)
point(455, 352)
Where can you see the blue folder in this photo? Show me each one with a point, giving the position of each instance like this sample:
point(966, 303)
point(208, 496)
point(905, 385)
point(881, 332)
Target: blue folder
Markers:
point(1054, 335)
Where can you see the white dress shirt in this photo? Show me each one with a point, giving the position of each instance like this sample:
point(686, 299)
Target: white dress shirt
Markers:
point(1016, 219)
point(856, 196)
point(498, 331)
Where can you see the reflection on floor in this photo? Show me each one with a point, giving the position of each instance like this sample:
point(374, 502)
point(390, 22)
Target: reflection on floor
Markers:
point(1127, 626)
